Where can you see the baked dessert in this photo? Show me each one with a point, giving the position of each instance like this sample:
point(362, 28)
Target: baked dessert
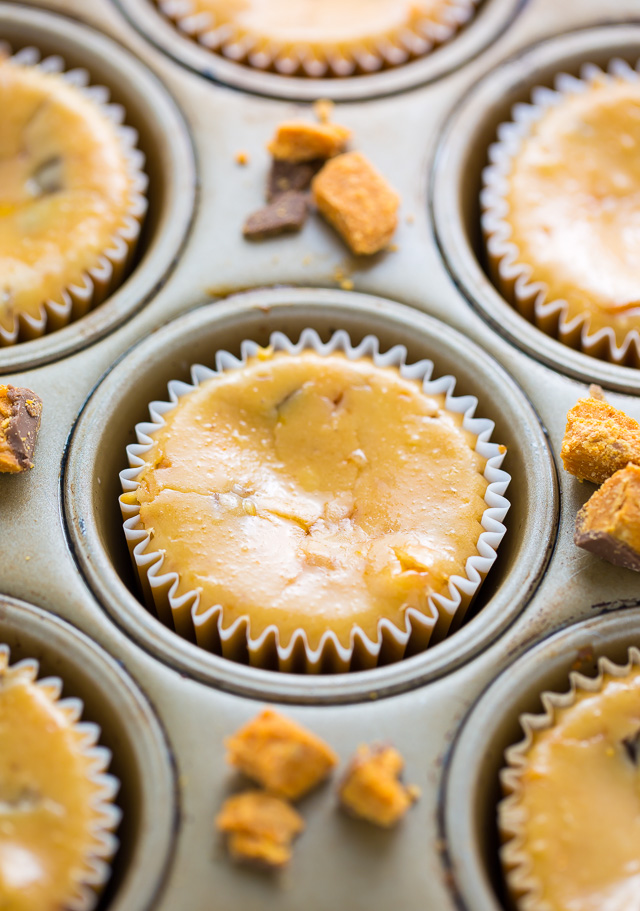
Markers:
point(371, 788)
point(70, 200)
point(599, 440)
point(282, 756)
point(20, 413)
point(570, 822)
point(356, 199)
point(560, 206)
point(311, 509)
point(608, 524)
point(56, 802)
point(332, 38)
point(260, 828)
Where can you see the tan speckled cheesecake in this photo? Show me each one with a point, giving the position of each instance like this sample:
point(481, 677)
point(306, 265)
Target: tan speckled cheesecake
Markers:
point(312, 499)
point(56, 803)
point(71, 198)
point(317, 39)
point(571, 820)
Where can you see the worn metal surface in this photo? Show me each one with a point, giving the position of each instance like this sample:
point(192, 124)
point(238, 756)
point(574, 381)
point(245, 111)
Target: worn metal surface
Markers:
point(58, 531)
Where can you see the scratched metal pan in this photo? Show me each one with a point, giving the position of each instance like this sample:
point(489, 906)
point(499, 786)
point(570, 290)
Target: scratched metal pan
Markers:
point(141, 758)
point(64, 514)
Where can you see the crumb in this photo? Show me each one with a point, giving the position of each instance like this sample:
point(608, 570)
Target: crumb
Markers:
point(357, 201)
point(608, 525)
point(260, 828)
point(410, 219)
point(285, 176)
point(296, 141)
point(371, 788)
point(323, 109)
point(346, 284)
point(393, 248)
point(599, 440)
point(242, 158)
point(286, 214)
point(279, 754)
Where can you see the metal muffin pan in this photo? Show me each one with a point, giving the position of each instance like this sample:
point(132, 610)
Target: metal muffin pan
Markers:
point(141, 758)
point(471, 787)
point(492, 18)
point(58, 529)
point(169, 163)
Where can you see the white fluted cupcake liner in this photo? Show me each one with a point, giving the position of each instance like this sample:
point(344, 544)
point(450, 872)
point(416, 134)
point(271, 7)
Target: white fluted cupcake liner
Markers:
point(513, 277)
point(204, 624)
point(91, 877)
point(96, 283)
point(429, 29)
point(520, 878)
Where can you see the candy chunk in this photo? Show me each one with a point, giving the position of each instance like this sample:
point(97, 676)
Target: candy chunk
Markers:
point(20, 412)
point(357, 201)
point(371, 789)
point(260, 828)
point(599, 440)
point(283, 216)
point(285, 176)
point(296, 140)
point(608, 524)
point(279, 754)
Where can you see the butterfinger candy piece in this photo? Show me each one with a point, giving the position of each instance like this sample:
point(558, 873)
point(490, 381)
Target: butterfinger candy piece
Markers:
point(608, 524)
point(284, 215)
point(279, 754)
point(285, 176)
point(357, 201)
point(260, 828)
point(599, 440)
point(371, 789)
point(297, 140)
point(20, 411)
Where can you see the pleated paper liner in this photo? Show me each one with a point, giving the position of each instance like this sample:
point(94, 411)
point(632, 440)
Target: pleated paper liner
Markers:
point(525, 889)
point(264, 37)
point(205, 624)
point(89, 877)
point(89, 288)
point(515, 279)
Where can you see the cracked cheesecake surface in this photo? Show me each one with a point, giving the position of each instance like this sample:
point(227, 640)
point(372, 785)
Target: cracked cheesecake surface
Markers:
point(313, 492)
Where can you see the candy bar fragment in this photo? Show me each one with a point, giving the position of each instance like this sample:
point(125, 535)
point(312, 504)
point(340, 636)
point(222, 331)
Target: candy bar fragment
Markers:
point(599, 440)
point(296, 140)
point(260, 828)
point(608, 525)
point(20, 412)
point(285, 215)
point(371, 788)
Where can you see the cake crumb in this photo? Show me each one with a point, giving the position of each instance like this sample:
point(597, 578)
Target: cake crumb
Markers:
point(296, 141)
point(282, 756)
point(260, 828)
point(323, 109)
point(242, 158)
point(371, 789)
point(346, 284)
point(359, 203)
point(599, 440)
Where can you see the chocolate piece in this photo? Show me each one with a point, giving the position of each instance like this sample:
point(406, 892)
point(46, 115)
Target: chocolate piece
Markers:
point(608, 525)
point(631, 745)
point(599, 440)
point(285, 215)
point(20, 411)
point(286, 176)
point(260, 828)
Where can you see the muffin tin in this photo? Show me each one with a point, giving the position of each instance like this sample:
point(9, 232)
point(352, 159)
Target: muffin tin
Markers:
point(62, 547)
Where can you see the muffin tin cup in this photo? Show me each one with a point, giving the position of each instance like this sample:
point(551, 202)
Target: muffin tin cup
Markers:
point(513, 276)
point(456, 184)
point(101, 432)
point(454, 48)
point(520, 878)
point(165, 145)
point(377, 52)
point(109, 270)
point(183, 610)
point(94, 872)
point(545, 677)
point(129, 733)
